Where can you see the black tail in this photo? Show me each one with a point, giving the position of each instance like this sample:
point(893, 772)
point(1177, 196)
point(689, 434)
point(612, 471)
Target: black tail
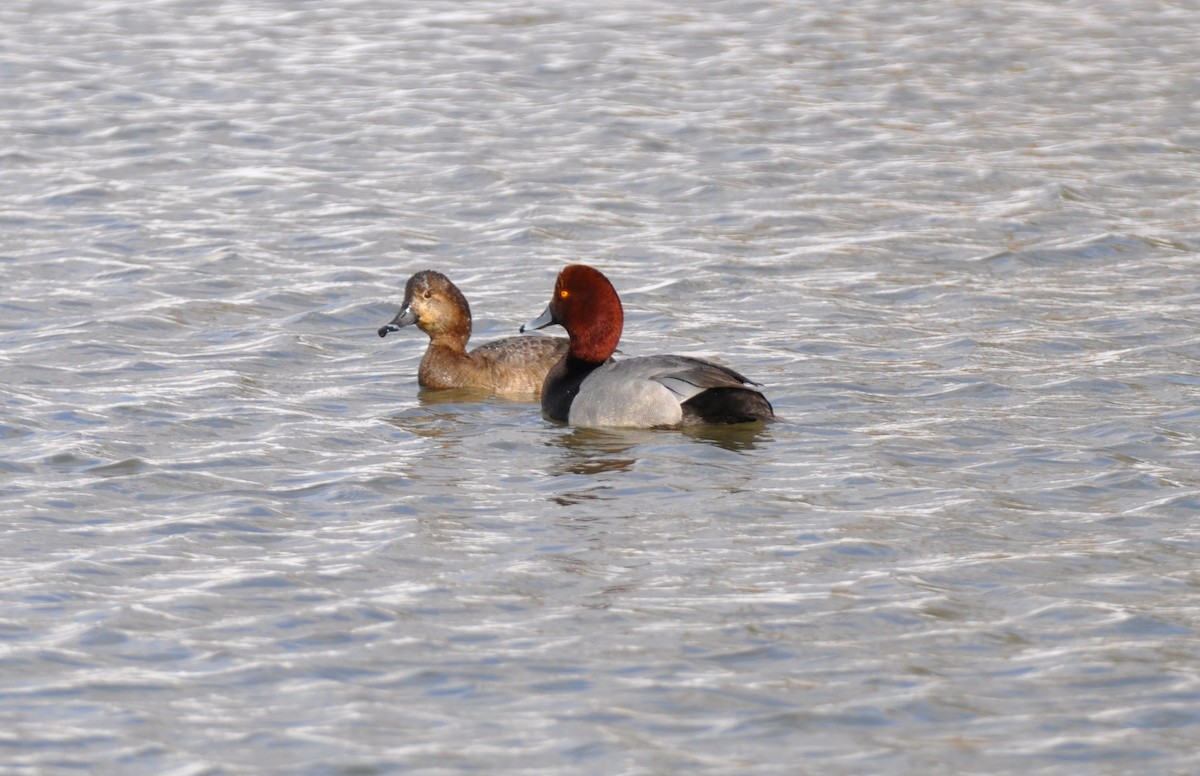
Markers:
point(727, 405)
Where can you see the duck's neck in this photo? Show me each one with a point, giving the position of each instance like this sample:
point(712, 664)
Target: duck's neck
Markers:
point(452, 338)
point(596, 344)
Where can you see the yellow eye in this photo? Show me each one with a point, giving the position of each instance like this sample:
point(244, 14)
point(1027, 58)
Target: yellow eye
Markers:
point(563, 293)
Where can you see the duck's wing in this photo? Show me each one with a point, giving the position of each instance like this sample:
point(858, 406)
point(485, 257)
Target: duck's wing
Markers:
point(687, 377)
point(666, 390)
point(711, 393)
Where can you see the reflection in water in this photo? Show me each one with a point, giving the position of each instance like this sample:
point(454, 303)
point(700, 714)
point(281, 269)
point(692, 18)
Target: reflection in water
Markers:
point(975, 554)
point(587, 441)
point(443, 411)
point(594, 453)
point(737, 438)
point(453, 396)
point(424, 422)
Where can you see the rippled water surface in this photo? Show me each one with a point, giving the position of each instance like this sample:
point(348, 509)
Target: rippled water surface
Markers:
point(958, 247)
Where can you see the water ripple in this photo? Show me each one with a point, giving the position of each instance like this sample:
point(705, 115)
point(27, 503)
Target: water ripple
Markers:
point(957, 247)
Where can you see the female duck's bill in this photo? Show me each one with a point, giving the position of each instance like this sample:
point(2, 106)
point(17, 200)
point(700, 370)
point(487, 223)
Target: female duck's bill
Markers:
point(512, 367)
point(588, 388)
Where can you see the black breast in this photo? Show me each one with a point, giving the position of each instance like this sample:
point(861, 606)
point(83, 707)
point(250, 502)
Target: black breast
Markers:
point(562, 385)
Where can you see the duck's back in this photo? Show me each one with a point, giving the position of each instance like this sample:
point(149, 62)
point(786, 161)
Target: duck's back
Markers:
point(518, 365)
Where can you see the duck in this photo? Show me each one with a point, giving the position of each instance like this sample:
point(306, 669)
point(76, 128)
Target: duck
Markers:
point(511, 367)
point(587, 388)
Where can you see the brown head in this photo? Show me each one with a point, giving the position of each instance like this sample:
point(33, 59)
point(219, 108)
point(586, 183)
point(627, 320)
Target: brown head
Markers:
point(437, 307)
point(587, 306)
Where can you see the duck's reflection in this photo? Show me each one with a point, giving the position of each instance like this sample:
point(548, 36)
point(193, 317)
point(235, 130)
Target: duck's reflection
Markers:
point(439, 413)
point(431, 396)
point(738, 438)
point(584, 464)
point(596, 453)
point(428, 422)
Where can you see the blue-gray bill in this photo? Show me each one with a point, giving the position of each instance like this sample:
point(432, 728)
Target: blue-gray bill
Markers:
point(405, 317)
point(540, 322)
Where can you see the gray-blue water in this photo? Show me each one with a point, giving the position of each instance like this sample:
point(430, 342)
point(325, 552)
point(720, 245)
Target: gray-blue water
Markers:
point(958, 243)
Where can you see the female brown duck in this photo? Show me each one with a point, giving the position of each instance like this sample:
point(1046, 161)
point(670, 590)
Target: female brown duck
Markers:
point(512, 367)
